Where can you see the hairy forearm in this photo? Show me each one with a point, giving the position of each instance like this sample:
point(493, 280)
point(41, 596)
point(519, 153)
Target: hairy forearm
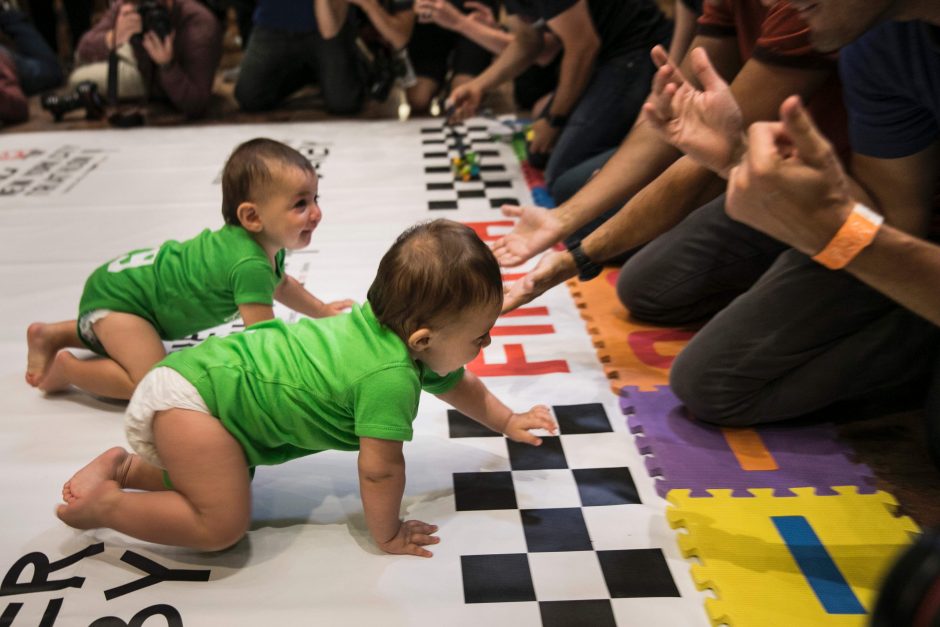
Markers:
point(472, 398)
point(904, 268)
point(661, 205)
point(637, 162)
point(381, 500)
point(493, 39)
point(514, 60)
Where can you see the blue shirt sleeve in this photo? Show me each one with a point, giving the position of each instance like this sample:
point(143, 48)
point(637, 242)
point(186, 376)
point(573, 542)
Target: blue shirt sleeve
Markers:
point(891, 79)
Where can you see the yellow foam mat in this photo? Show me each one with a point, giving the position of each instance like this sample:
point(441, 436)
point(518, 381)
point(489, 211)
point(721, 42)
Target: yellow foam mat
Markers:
point(752, 571)
point(631, 353)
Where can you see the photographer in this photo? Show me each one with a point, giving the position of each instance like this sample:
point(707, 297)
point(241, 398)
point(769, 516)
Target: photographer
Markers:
point(167, 49)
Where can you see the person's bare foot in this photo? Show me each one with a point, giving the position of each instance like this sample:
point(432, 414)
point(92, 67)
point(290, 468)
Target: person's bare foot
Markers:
point(55, 380)
point(109, 466)
point(42, 349)
point(86, 511)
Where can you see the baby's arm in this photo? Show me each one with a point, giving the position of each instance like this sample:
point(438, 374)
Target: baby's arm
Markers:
point(382, 483)
point(255, 312)
point(293, 294)
point(472, 398)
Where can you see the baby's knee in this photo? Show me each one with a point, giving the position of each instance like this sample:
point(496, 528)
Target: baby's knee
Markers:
point(222, 534)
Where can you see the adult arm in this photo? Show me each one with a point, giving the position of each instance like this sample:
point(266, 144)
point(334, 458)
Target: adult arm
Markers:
point(522, 51)
point(683, 32)
point(641, 157)
point(96, 43)
point(791, 186)
point(394, 27)
point(330, 16)
point(759, 89)
point(188, 76)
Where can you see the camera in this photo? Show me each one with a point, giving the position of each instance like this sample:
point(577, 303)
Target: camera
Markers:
point(155, 17)
point(85, 96)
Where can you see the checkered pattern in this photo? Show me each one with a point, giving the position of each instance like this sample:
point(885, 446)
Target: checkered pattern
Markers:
point(574, 519)
point(495, 187)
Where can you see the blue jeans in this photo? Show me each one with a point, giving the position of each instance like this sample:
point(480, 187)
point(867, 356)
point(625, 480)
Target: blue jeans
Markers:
point(278, 63)
point(36, 64)
point(605, 113)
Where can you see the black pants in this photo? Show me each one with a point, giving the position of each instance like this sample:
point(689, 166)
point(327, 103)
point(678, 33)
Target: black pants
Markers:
point(786, 336)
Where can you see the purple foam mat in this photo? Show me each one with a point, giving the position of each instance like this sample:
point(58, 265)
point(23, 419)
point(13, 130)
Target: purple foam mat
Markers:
point(687, 454)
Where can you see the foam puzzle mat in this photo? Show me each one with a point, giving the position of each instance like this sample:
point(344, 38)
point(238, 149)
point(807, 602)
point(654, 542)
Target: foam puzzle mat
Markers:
point(630, 352)
point(572, 533)
point(806, 559)
point(687, 454)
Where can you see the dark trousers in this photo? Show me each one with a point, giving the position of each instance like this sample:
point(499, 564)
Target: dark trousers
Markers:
point(604, 114)
point(788, 337)
point(36, 64)
point(278, 63)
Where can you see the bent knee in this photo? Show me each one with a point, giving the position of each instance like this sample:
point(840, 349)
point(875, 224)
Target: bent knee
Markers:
point(634, 289)
point(222, 535)
point(711, 396)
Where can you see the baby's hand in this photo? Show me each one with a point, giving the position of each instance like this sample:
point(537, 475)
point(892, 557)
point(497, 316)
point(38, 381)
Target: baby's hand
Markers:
point(539, 417)
point(337, 307)
point(411, 537)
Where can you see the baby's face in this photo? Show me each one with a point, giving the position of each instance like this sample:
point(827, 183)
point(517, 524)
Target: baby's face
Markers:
point(289, 211)
point(458, 342)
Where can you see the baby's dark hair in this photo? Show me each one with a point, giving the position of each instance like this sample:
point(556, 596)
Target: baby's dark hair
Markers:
point(248, 170)
point(434, 271)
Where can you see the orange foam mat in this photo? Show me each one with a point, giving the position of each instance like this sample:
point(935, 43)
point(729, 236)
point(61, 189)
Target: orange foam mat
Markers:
point(631, 353)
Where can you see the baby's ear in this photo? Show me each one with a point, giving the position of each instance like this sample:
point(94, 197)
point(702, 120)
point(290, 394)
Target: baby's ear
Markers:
point(248, 217)
point(420, 340)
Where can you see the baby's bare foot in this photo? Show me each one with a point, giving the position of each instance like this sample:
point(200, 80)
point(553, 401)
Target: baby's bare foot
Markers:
point(41, 351)
point(55, 380)
point(84, 512)
point(109, 466)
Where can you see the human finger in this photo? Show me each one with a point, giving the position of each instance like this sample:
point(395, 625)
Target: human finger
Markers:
point(705, 71)
point(813, 148)
point(763, 154)
point(659, 56)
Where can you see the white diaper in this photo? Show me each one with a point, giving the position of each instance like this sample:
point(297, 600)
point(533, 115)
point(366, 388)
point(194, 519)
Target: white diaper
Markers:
point(161, 389)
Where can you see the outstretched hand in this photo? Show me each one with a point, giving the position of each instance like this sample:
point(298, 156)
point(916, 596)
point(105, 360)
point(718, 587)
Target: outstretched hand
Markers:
point(518, 427)
point(464, 100)
point(537, 229)
point(337, 307)
point(412, 537)
point(790, 183)
point(706, 125)
point(552, 269)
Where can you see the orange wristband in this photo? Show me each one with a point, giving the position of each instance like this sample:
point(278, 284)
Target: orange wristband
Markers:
point(856, 233)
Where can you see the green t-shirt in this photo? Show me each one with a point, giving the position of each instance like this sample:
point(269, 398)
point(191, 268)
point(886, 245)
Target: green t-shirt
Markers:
point(185, 287)
point(289, 390)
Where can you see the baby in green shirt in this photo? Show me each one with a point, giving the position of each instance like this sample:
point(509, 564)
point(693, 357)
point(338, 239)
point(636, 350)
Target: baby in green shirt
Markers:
point(132, 303)
point(204, 417)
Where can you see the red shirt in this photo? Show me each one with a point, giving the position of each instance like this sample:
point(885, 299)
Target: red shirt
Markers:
point(777, 35)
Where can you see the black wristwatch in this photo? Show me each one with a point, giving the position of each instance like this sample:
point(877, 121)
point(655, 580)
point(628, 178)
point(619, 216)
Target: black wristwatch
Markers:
point(556, 121)
point(587, 269)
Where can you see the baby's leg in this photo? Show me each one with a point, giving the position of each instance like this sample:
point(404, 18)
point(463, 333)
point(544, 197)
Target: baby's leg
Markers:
point(115, 465)
point(210, 507)
point(134, 347)
point(44, 340)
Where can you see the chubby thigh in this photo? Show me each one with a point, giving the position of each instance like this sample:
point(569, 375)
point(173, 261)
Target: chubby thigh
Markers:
point(207, 467)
